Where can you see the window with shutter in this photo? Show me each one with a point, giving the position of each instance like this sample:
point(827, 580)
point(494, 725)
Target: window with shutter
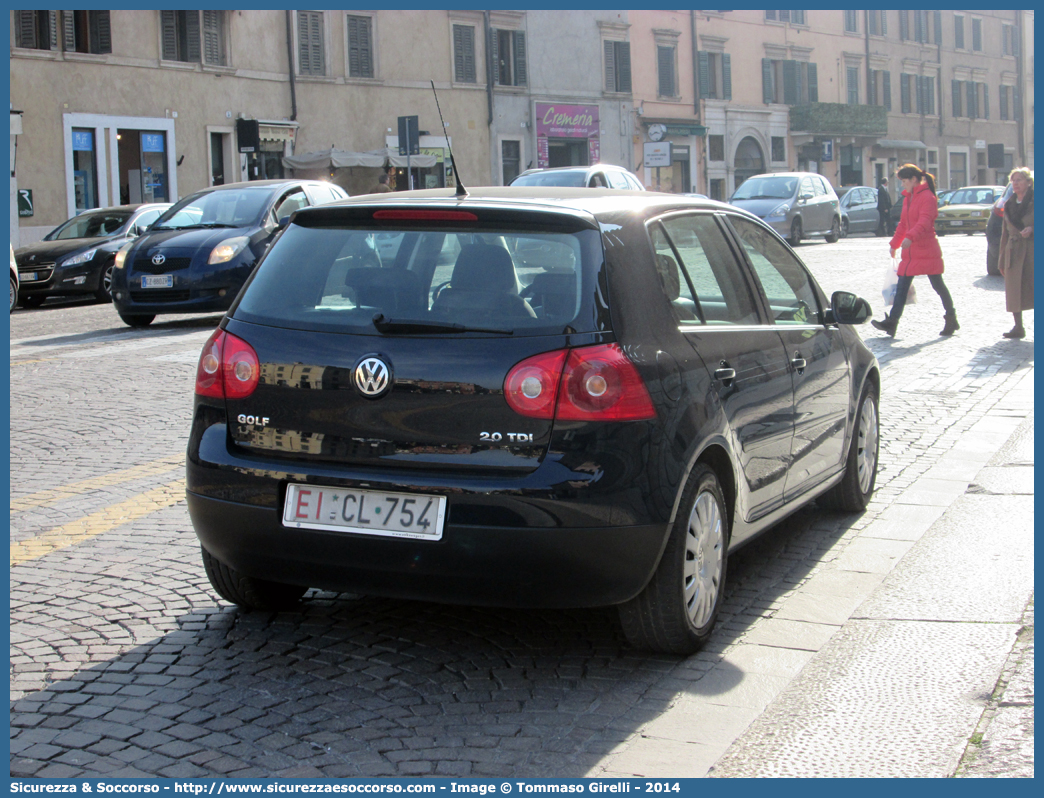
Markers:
point(181, 36)
point(1016, 103)
point(618, 67)
point(101, 32)
point(360, 47)
point(520, 58)
point(985, 101)
point(904, 93)
point(851, 22)
point(464, 54)
point(904, 25)
point(214, 37)
point(311, 55)
point(703, 71)
point(1003, 102)
point(192, 30)
point(956, 99)
point(937, 24)
point(790, 83)
point(973, 111)
point(768, 80)
point(871, 85)
point(813, 84)
point(37, 30)
point(958, 31)
point(726, 76)
point(977, 34)
point(887, 88)
point(853, 85)
point(69, 31)
point(665, 66)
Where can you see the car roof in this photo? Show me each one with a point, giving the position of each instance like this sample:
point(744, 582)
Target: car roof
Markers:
point(608, 166)
point(583, 201)
point(260, 184)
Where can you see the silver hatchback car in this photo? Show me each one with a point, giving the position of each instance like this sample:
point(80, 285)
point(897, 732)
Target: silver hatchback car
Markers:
point(795, 204)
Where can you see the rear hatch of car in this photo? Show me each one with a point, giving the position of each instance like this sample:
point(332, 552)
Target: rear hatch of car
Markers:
point(383, 336)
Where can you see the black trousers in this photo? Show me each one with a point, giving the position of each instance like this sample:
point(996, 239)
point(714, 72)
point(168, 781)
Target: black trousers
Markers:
point(903, 288)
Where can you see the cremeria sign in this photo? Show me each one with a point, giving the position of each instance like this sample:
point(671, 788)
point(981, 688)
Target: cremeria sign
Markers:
point(566, 121)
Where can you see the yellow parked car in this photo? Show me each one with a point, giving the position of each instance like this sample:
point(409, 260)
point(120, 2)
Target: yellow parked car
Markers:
point(967, 210)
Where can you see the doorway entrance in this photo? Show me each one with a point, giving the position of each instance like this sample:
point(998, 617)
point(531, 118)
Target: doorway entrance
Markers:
point(567, 152)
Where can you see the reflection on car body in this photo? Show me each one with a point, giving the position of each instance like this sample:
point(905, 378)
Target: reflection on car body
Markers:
point(595, 394)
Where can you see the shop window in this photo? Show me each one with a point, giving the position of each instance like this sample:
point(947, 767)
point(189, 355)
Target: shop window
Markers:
point(85, 175)
point(37, 30)
point(715, 148)
point(360, 47)
point(311, 54)
point(464, 54)
point(511, 160)
point(194, 36)
point(617, 66)
point(790, 82)
point(715, 75)
point(509, 56)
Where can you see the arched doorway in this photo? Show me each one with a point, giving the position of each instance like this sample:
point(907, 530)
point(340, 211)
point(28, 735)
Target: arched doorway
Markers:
point(749, 160)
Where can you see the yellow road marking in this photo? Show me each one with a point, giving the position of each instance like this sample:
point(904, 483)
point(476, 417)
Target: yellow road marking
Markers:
point(97, 523)
point(114, 478)
point(24, 362)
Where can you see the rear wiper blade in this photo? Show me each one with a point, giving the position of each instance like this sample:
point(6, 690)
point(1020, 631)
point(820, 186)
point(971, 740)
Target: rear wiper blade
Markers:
point(408, 326)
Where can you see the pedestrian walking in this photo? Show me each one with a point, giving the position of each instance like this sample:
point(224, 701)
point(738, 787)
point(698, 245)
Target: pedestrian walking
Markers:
point(382, 185)
point(1016, 249)
point(884, 204)
point(921, 254)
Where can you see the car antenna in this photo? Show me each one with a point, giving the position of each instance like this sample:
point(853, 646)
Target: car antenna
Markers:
point(461, 191)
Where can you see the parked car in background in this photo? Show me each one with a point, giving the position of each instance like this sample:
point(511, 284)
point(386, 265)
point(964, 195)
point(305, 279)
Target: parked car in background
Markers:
point(510, 412)
point(600, 175)
point(968, 210)
point(859, 212)
point(795, 204)
point(197, 256)
point(14, 280)
point(77, 257)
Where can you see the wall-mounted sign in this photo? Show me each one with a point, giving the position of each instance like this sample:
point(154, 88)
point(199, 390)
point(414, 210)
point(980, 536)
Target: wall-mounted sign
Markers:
point(25, 202)
point(656, 153)
point(980, 144)
point(828, 150)
point(566, 121)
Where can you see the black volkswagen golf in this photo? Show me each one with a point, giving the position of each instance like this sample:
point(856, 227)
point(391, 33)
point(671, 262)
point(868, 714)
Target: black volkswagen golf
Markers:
point(525, 397)
point(197, 256)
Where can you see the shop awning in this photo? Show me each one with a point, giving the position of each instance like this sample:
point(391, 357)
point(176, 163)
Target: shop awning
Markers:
point(901, 144)
point(340, 159)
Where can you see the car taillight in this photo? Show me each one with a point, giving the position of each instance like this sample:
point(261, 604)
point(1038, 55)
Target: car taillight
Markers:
point(228, 367)
point(591, 383)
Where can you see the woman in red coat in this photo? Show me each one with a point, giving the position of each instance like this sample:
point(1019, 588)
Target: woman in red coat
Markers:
point(921, 254)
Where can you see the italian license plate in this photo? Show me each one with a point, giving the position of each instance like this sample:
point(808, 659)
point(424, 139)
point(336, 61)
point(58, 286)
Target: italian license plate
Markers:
point(367, 512)
point(27, 277)
point(956, 223)
point(157, 281)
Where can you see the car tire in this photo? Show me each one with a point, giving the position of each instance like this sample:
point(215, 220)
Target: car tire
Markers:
point(32, 301)
point(795, 232)
point(853, 492)
point(104, 292)
point(14, 294)
point(676, 611)
point(246, 591)
point(137, 320)
point(835, 232)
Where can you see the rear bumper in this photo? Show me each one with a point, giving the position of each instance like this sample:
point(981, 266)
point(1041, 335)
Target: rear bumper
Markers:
point(494, 566)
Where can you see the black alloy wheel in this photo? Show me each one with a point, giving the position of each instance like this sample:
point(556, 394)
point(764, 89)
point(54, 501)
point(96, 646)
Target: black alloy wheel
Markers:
point(795, 232)
point(835, 232)
point(104, 292)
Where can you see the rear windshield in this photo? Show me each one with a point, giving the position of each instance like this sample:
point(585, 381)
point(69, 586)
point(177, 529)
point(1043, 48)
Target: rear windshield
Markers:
point(91, 225)
point(518, 282)
point(568, 179)
point(228, 208)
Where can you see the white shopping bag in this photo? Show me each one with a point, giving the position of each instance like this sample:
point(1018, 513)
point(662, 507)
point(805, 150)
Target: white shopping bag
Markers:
point(892, 282)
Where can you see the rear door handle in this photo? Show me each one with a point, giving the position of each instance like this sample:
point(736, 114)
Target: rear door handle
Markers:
point(725, 374)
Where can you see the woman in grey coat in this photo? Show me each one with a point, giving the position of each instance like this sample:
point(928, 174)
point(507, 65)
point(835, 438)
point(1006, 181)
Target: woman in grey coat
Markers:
point(1016, 249)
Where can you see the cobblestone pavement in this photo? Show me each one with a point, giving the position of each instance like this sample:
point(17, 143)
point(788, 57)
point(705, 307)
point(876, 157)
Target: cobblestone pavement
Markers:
point(125, 664)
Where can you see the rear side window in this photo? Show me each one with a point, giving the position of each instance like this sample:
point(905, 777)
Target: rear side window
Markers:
point(787, 286)
point(712, 281)
point(327, 278)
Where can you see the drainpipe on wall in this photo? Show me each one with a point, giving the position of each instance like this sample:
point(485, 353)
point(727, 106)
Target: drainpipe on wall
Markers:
point(489, 68)
point(1020, 65)
point(695, 66)
point(290, 60)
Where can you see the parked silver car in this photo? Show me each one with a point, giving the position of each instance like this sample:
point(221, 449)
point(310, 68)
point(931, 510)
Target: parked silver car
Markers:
point(795, 204)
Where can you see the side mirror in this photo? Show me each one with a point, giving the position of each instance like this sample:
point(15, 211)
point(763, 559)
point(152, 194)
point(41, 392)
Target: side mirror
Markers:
point(805, 196)
point(846, 308)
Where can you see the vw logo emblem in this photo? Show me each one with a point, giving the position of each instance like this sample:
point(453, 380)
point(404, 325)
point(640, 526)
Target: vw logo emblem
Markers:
point(159, 259)
point(372, 376)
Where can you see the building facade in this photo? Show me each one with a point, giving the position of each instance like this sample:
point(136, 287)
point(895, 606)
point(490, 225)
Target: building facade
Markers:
point(111, 107)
